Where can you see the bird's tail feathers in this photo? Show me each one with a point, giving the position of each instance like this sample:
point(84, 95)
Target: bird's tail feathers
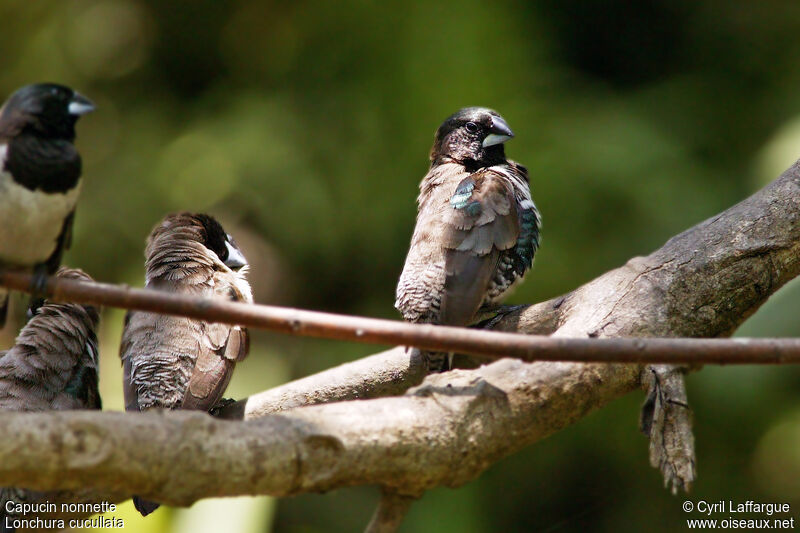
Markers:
point(145, 506)
point(34, 306)
point(6, 528)
point(439, 361)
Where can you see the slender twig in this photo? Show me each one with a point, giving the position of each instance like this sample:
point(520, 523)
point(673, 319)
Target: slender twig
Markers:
point(489, 344)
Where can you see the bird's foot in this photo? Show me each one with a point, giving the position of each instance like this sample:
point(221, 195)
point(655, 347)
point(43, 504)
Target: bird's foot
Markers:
point(488, 317)
point(38, 289)
point(220, 405)
point(439, 361)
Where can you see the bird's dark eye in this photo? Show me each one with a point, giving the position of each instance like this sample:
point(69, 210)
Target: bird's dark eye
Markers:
point(471, 127)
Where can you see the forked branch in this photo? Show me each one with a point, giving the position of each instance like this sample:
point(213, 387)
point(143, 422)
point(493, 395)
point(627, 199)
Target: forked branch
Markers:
point(702, 283)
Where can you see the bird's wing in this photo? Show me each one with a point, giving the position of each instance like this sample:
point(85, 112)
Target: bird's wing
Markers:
point(220, 349)
point(92, 381)
point(482, 221)
point(53, 364)
point(82, 388)
point(63, 243)
point(530, 220)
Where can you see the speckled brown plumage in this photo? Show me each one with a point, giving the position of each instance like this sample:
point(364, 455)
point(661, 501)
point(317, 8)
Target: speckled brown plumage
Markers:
point(179, 363)
point(52, 366)
point(167, 359)
point(477, 227)
point(54, 363)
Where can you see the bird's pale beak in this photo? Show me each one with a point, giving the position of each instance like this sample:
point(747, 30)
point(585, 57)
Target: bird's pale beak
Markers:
point(235, 259)
point(498, 133)
point(80, 105)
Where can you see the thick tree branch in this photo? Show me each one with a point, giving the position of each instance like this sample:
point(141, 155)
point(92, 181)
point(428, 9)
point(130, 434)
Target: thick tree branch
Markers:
point(704, 282)
point(709, 279)
point(443, 433)
point(387, 373)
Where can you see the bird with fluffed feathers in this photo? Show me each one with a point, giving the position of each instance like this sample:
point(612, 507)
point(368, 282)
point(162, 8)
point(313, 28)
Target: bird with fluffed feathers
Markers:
point(173, 362)
point(477, 227)
point(53, 365)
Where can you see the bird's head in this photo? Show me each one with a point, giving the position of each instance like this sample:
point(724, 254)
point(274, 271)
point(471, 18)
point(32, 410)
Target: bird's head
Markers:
point(44, 109)
point(473, 136)
point(221, 243)
point(172, 234)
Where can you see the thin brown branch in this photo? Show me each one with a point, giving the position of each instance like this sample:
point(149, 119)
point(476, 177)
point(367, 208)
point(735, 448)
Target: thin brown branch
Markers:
point(489, 344)
point(704, 282)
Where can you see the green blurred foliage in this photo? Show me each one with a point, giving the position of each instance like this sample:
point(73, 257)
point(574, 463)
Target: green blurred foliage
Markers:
point(305, 127)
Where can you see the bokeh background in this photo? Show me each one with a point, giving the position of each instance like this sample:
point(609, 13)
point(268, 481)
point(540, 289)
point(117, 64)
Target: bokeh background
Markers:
point(305, 128)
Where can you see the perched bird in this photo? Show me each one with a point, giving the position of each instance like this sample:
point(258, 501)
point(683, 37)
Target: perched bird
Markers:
point(178, 363)
point(477, 226)
point(52, 366)
point(39, 179)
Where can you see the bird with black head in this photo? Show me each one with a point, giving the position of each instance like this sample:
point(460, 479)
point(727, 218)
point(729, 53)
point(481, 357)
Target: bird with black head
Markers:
point(40, 180)
point(477, 226)
point(173, 362)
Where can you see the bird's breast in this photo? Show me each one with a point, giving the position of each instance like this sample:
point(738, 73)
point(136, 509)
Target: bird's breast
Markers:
point(31, 221)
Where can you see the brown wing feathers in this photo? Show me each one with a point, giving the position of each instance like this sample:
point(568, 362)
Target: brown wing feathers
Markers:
point(214, 369)
point(181, 363)
point(54, 363)
point(482, 222)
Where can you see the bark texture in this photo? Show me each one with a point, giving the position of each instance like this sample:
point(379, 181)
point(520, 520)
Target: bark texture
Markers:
point(702, 283)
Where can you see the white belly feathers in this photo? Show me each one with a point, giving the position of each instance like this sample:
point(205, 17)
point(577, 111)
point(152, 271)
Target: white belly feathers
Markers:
point(30, 221)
